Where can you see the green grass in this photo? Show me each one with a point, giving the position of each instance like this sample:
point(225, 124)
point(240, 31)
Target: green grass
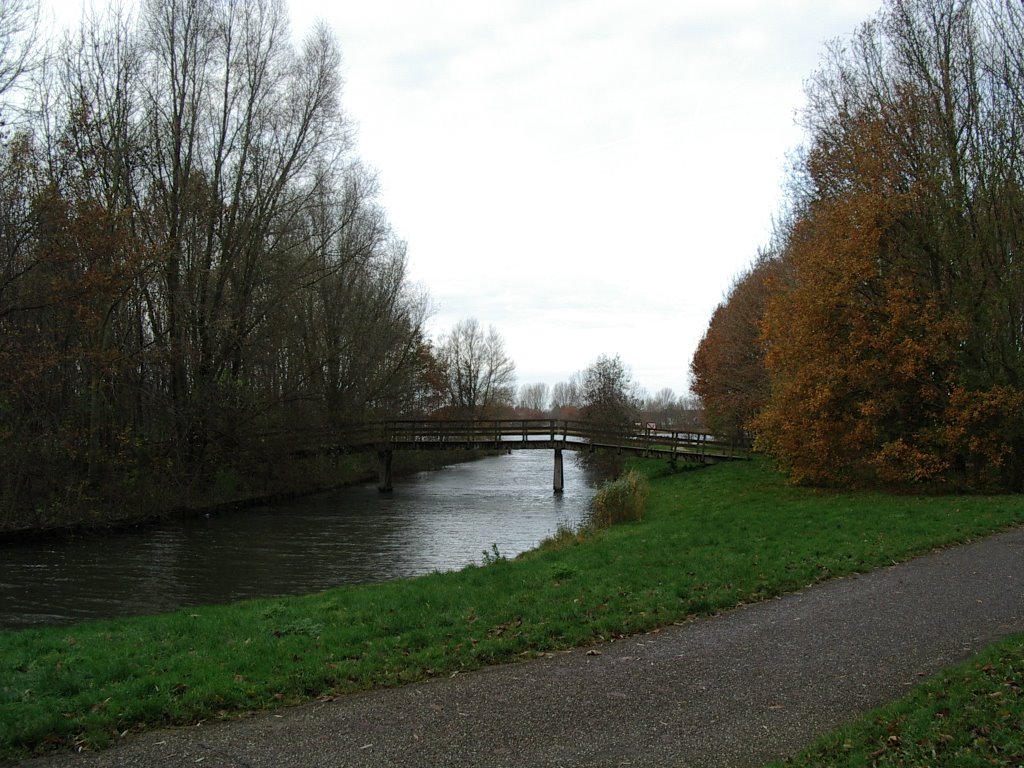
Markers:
point(969, 715)
point(710, 539)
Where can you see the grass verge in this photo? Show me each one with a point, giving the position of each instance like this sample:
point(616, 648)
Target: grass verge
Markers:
point(710, 540)
point(969, 715)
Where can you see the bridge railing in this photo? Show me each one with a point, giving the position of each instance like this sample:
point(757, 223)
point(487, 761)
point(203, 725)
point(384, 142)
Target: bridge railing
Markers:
point(509, 433)
point(344, 438)
point(459, 432)
point(559, 433)
point(663, 442)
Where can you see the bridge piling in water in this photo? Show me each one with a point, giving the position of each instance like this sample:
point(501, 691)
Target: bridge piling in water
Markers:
point(384, 456)
point(559, 475)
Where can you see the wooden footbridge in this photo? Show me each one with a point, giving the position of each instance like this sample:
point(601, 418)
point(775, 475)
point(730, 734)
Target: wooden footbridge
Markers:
point(507, 434)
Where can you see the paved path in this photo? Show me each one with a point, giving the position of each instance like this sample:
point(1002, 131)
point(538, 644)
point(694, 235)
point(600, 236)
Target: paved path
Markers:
point(751, 685)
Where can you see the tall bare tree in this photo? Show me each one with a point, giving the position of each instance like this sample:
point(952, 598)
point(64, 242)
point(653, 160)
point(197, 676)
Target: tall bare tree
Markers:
point(534, 397)
point(566, 397)
point(19, 27)
point(479, 374)
point(191, 255)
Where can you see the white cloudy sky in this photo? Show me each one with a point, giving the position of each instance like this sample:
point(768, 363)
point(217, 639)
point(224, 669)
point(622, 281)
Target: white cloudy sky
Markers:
point(586, 175)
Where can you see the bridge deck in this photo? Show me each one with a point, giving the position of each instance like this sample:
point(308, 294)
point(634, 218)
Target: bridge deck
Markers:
point(499, 434)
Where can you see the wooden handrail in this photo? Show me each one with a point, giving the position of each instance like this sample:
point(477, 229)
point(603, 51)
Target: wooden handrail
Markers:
point(508, 433)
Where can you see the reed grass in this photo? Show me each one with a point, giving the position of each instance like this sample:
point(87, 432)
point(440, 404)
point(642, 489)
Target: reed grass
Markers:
point(620, 500)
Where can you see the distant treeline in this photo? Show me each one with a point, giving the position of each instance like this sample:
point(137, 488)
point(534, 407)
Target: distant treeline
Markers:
point(880, 339)
point(191, 257)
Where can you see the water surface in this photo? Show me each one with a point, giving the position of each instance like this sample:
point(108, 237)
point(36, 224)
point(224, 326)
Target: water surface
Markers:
point(434, 521)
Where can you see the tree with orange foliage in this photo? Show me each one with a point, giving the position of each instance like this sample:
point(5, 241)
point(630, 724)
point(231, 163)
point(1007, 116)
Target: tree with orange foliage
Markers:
point(860, 347)
point(728, 369)
point(894, 346)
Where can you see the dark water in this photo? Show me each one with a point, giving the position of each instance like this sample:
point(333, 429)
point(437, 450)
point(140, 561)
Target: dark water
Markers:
point(435, 521)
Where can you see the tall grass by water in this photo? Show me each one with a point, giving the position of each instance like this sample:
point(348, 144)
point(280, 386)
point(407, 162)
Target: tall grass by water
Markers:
point(709, 540)
point(621, 500)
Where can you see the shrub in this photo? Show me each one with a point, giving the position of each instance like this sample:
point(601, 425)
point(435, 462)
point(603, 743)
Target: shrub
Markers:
point(621, 500)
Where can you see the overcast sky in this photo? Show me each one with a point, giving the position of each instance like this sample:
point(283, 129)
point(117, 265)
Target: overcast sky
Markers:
point(586, 175)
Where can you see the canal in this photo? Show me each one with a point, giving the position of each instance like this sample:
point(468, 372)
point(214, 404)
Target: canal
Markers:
point(433, 521)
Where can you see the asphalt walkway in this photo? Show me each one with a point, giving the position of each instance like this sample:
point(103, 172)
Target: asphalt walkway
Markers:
point(754, 684)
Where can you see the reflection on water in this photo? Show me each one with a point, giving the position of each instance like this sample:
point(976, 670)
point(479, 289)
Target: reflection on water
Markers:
point(434, 521)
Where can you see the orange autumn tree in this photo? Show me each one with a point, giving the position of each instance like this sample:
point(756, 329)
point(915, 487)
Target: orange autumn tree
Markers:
point(727, 369)
point(860, 346)
point(895, 344)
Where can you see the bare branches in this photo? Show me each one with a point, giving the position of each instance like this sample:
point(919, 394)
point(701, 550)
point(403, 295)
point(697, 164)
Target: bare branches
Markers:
point(190, 252)
point(479, 374)
point(19, 28)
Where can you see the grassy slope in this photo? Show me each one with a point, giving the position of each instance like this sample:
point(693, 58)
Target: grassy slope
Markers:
point(968, 715)
point(711, 539)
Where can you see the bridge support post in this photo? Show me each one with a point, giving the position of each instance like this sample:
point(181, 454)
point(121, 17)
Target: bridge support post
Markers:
point(559, 475)
point(384, 470)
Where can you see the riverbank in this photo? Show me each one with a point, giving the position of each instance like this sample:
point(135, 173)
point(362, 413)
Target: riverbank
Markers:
point(230, 489)
point(710, 540)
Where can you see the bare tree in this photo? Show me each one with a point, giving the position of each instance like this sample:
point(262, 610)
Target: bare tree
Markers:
point(608, 394)
point(190, 252)
point(565, 397)
point(534, 397)
point(661, 407)
point(479, 374)
point(19, 26)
